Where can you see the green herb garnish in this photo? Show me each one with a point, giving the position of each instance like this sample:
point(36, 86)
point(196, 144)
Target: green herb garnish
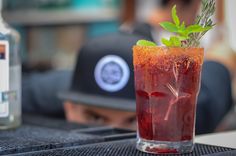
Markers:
point(145, 43)
point(187, 36)
point(204, 19)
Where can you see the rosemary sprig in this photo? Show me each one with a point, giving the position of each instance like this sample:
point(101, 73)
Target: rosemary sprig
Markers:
point(204, 19)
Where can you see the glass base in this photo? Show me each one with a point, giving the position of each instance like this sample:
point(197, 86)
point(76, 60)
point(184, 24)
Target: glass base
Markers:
point(157, 147)
point(10, 122)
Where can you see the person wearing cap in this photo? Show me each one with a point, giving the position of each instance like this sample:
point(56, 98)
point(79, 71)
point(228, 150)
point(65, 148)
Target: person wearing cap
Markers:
point(99, 91)
point(101, 88)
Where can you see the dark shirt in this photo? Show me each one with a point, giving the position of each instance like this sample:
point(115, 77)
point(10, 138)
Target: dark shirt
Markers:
point(215, 97)
point(40, 92)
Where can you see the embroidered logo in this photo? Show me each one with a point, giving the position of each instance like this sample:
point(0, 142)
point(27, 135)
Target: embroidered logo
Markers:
point(112, 73)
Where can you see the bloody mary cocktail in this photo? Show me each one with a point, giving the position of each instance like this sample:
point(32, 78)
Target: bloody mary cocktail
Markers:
point(167, 81)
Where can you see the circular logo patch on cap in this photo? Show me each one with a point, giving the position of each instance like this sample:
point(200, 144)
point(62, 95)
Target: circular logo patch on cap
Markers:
point(111, 73)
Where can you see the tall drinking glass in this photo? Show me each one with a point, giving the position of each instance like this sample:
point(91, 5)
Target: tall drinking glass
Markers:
point(167, 82)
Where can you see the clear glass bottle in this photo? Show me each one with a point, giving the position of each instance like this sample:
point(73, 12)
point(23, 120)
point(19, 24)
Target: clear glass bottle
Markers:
point(10, 76)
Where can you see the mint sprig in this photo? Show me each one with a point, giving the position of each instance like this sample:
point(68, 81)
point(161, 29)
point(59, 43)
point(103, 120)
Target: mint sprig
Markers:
point(174, 16)
point(145, 43)
point(183, 34)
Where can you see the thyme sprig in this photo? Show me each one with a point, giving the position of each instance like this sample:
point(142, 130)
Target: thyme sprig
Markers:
point(205, 20)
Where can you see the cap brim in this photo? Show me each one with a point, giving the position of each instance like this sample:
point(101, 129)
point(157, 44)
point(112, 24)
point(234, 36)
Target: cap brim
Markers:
point(99, 101)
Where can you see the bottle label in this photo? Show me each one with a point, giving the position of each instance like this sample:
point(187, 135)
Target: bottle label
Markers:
point(4, 78)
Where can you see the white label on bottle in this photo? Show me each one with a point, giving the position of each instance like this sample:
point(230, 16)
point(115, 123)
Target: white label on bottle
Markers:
point(4, 78)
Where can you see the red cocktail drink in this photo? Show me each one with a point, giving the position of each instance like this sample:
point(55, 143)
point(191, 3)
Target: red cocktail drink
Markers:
point(167, 82)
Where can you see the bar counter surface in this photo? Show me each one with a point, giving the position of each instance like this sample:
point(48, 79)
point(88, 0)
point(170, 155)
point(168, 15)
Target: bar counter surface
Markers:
point(39, 136)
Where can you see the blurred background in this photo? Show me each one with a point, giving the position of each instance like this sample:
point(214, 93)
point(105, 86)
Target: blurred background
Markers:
point(52, 31)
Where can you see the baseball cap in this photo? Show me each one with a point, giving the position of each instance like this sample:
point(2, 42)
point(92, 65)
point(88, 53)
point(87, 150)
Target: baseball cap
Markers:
point(103, 75)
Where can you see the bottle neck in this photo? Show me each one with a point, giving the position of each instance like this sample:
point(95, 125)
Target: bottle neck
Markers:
point(1, 19)
point(3, 26)
point(2, 23)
